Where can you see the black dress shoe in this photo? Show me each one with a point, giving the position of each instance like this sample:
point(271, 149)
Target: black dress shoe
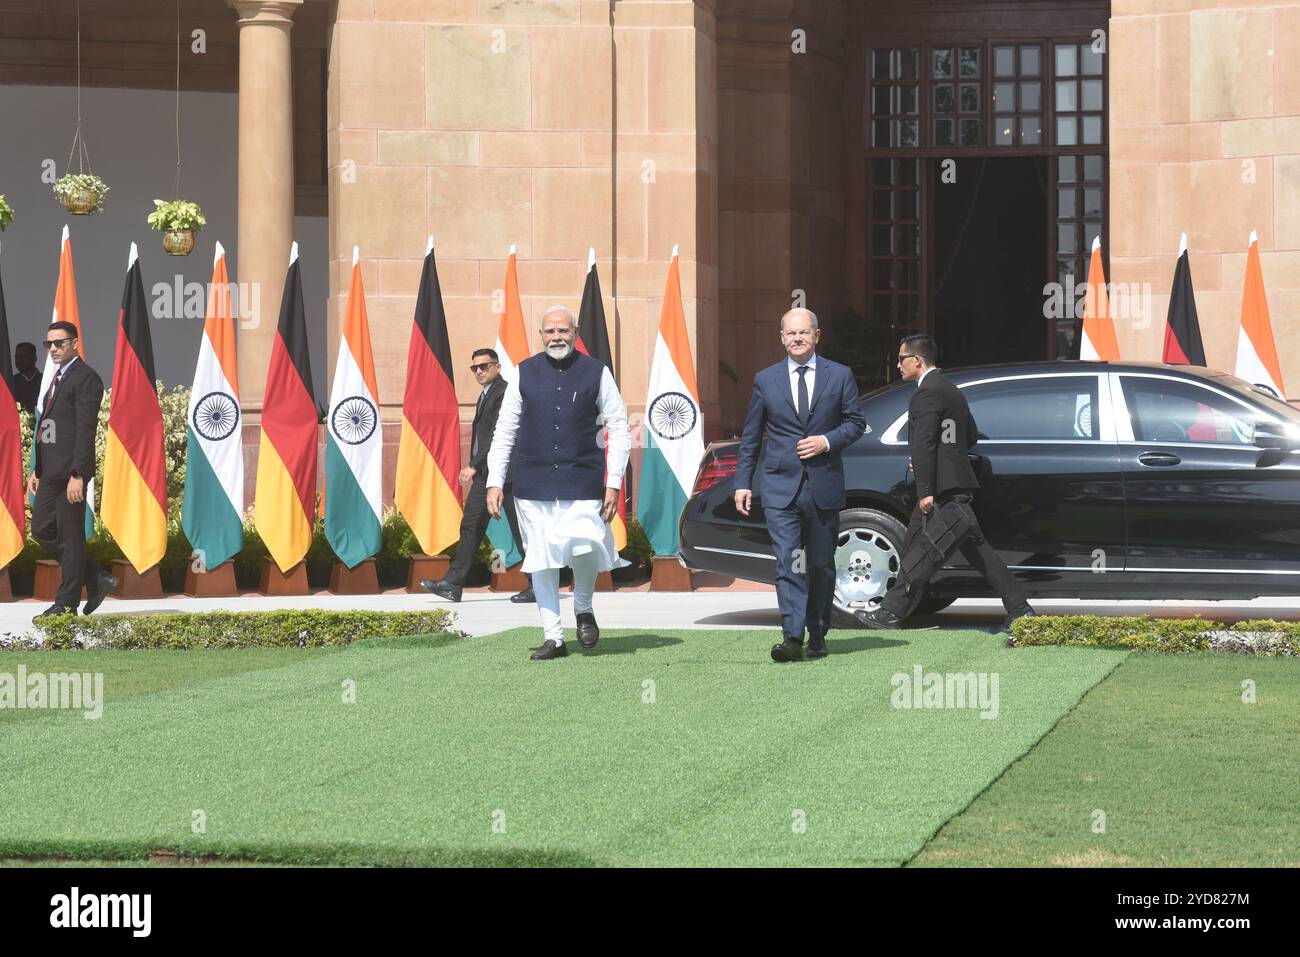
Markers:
point(98, 591)
point(55, 610)
point(588, 630)
point(550, 649)
point(1013, 618)
point(817, 646)
point(878, 618)
point(787, 650)
point(442, 588)
point(524, 597)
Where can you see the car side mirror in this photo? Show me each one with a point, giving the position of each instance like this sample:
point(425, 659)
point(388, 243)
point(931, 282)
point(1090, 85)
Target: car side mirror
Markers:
point(1270, 435)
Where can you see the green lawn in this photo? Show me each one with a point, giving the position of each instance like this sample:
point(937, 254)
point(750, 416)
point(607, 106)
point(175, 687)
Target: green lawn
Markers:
point(1185, 772)
point(570, 760)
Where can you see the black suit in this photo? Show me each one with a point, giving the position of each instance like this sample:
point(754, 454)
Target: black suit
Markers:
point(940, 434)
point(64, 447)
point(475, 517)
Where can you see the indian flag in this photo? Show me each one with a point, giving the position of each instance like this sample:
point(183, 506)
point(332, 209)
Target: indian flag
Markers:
point(1256, 351)
point(1098, 342)
point(512, 349)
point(65, 310)
point(213, 510)
point(672, 432)
point(353, 456)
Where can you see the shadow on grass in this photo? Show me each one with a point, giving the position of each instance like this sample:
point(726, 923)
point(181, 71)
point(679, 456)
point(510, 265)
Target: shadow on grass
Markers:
point(626, 644)
point(870, 642)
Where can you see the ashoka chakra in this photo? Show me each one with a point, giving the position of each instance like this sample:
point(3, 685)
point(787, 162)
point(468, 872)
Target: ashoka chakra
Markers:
point(215, 416)
point(672, 415)
point(354, 420)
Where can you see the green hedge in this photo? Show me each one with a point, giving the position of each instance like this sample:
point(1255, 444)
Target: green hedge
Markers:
point(226, 629)
point(1255, 636)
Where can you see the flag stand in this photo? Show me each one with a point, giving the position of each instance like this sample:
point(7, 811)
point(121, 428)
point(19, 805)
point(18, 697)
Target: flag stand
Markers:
point(133, 584)
point(432, 567)
point(362, 580)
point(278, 584)
point(216, 582)
point(668, 574)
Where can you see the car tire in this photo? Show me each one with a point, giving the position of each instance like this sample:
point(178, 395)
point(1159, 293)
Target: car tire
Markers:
point(880, 535)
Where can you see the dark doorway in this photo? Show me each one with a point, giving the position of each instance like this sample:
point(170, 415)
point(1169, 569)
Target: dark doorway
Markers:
point(988, 269)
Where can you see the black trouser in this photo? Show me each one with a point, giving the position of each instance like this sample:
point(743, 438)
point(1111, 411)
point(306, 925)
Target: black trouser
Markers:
point(60, 527)
point(474, 523)
point(902, 599)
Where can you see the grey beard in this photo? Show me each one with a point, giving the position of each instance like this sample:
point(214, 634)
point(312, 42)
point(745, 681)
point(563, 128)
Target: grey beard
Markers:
point(568, 348)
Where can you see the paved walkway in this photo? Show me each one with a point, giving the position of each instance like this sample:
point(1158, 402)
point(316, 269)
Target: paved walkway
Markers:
point(482, 613)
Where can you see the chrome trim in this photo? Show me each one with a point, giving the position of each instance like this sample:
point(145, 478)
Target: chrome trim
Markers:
point(1219, 571)
point(732, 551)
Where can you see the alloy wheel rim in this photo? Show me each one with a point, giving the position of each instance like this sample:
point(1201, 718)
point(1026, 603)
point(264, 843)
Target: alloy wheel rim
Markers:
point(867, 564)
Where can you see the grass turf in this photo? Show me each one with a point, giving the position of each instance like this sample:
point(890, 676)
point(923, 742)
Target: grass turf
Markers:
point(1187, 774)
point(570, 760)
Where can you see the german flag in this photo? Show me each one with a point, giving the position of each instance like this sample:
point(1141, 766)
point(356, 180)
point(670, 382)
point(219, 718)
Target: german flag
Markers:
point(134, 499)
point(1183, 344)
point(593, 339)
point(285, 501)
point(428, 455)
point(13, 520)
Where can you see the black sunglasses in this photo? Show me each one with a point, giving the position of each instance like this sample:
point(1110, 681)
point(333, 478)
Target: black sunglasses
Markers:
point(481, 366)
point(49, 343)
point(907, 355)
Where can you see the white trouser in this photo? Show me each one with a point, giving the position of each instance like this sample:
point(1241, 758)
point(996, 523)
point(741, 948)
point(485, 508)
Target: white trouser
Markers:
point(546, 587)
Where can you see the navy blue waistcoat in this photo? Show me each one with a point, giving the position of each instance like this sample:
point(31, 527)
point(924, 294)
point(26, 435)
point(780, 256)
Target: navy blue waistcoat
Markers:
point(557, 455)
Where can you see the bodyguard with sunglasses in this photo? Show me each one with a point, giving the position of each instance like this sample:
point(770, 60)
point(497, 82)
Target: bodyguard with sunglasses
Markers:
point(940, 434)
point(63, 461)
point(486, 367)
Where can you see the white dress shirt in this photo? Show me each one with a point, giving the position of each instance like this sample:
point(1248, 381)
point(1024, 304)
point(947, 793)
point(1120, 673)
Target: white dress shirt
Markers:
point(810, 377)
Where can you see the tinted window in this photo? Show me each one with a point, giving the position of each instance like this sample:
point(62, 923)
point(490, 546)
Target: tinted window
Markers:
point(1062, 408)
point(1170, 410)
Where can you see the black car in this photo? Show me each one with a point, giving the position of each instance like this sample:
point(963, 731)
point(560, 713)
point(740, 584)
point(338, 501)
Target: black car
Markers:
point(1099, 480)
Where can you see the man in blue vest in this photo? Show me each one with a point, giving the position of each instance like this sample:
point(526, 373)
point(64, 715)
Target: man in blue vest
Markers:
point(566, 489)
point(808, 406)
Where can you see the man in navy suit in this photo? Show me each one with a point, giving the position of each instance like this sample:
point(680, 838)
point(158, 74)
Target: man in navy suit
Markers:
point(809, 406)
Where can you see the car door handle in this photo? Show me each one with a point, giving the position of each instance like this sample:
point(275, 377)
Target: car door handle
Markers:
point(1158, 459)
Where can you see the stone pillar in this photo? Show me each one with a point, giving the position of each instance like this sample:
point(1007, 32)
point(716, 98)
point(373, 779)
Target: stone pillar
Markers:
point(266, 190)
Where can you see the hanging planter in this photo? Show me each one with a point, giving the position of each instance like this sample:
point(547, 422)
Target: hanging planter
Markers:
point(178, 220)
point(81, 194)
point(6, 213)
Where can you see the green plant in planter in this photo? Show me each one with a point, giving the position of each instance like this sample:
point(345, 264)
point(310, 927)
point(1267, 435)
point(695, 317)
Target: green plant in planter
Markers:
point(6, 213)
point(72, 189)
point(176, 214)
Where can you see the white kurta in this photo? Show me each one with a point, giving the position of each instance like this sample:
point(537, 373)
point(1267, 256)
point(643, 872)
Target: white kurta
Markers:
point(554, 531)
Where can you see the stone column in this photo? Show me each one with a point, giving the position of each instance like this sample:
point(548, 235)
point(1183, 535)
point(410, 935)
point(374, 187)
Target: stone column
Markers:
point(266, 192)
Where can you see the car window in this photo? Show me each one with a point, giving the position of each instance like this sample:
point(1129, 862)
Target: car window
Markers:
point(1050, 407)
point(1057, 407)
point(1170, 410)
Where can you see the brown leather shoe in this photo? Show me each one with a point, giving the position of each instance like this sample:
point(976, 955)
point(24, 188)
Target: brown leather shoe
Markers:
point(550, 649)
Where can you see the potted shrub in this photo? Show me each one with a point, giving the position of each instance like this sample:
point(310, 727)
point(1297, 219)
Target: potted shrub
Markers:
point(81, 194)
point(6, 213)
point(177, 220)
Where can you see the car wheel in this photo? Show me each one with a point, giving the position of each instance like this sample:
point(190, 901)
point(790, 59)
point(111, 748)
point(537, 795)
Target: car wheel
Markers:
point(868, 561)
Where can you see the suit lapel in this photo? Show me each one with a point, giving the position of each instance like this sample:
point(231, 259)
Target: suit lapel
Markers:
point(822, 374)
point(58, 391)
point(781, 376)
